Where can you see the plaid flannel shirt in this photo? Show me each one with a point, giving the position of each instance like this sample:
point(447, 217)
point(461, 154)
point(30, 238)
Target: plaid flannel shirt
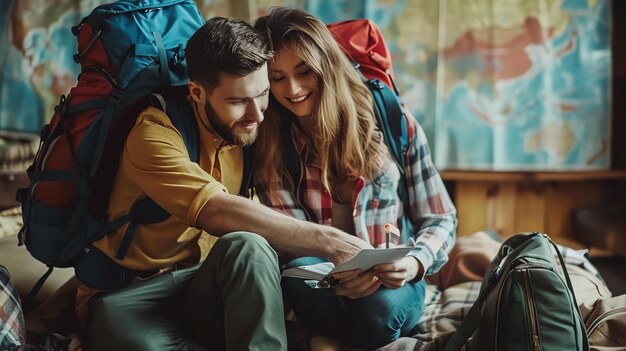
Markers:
point(429, 226)
point(12, 329)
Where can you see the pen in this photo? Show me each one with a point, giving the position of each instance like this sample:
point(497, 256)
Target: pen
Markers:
point(390, 229)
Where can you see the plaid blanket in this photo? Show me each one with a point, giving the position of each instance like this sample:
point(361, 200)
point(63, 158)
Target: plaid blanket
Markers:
point(12, 332)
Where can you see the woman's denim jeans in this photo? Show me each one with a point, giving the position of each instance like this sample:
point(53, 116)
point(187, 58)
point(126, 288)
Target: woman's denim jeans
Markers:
point(369, 322)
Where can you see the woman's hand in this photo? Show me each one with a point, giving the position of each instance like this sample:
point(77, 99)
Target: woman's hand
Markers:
point(395, 275)
point(357, 284)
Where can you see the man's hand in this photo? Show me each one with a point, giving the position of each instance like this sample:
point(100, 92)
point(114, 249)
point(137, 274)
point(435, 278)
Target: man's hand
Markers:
point(346, 247)
point(395, 275)
point(357, 284)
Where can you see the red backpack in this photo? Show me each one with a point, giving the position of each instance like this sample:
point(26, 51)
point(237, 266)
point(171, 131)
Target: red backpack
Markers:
point(362, 41)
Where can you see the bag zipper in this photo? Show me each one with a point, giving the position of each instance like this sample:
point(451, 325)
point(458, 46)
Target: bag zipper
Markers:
point(143, 8)
point(524, 266)
point(532, 311)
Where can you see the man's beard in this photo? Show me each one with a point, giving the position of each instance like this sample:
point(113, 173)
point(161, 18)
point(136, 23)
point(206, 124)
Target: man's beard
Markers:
point(229, 134)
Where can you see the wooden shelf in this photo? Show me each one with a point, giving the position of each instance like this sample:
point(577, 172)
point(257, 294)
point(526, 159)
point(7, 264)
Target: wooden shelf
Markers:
point(574, 176)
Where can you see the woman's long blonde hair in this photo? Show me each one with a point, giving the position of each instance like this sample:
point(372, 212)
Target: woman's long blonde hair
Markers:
point(344, 121)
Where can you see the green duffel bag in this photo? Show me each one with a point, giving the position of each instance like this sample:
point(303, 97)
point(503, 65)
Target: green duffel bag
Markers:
point(524, 303)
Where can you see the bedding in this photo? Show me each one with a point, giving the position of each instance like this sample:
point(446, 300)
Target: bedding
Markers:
point(448, 297)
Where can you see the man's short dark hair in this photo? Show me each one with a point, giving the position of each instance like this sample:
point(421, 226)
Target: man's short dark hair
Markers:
point(225, 45)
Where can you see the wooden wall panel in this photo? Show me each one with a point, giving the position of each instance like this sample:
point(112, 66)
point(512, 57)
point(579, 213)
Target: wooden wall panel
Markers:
point(501, 207)
point(530, 208)
point(511, 207)
point(470, 201)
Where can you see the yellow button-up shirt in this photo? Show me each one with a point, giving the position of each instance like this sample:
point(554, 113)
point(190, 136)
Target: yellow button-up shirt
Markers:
point(155, 163)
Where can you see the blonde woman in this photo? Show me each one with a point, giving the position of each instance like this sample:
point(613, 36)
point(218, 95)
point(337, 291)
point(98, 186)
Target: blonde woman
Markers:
point(320, 157)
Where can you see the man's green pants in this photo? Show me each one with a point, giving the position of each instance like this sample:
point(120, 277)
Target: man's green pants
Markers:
point(232, 301)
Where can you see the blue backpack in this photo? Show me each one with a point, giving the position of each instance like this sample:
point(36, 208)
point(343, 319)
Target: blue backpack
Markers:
point(128, 51)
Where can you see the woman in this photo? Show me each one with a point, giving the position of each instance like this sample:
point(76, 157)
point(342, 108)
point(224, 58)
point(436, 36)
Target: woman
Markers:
point(321, 158)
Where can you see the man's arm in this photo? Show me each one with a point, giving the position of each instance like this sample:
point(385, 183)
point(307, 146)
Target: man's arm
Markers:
point(225, 213)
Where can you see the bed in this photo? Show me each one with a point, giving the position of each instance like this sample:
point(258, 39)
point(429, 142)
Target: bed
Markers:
point(449, 295)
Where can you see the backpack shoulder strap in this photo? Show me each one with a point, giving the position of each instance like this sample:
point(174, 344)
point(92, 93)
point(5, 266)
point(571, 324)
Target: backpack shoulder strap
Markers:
point(147, 211)
point(391, 120)
point(393, 125)
point(291, 160)
point(247, 180)
point(182, 116)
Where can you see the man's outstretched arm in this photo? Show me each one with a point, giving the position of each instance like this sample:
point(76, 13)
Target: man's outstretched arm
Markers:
point(225, 213)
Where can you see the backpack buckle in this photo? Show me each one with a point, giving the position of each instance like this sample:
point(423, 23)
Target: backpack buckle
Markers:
point(178, 56)
point(61, 107)
point(115, 97)
point(21, 236)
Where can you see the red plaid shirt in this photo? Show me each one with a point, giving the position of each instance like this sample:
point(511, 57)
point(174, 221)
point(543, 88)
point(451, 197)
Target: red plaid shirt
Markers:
point(429, 225)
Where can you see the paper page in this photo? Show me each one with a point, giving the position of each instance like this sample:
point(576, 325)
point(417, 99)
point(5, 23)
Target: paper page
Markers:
point(369, 258)
point(364, 260)
point(316, 271)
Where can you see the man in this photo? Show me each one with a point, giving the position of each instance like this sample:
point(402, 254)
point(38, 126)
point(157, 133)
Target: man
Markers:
point(234, 301)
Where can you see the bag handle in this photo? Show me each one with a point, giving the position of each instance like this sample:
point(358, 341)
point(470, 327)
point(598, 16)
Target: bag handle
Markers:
point(571, 289)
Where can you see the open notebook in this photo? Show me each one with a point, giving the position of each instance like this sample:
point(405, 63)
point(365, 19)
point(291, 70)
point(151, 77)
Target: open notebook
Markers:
point(364, 260)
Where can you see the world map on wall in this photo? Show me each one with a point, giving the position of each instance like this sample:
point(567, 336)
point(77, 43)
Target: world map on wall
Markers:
point(500, 85)
point(497, 85)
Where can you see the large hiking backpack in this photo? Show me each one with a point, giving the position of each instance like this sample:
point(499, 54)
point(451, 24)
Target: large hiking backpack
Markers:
point(524, 303)
point(127, 51)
